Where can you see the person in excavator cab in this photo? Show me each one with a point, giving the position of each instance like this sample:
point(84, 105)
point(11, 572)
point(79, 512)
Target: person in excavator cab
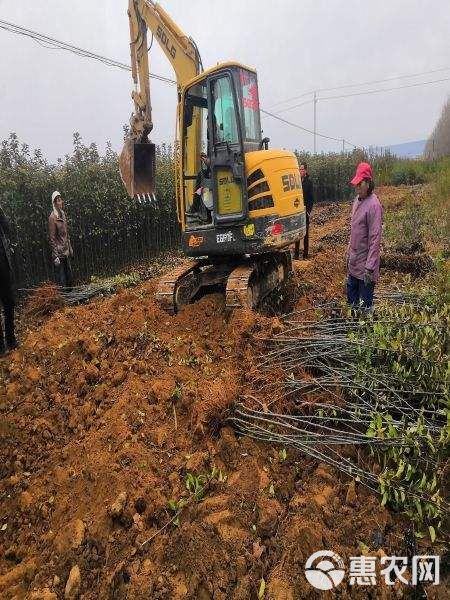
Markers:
point(202, 202)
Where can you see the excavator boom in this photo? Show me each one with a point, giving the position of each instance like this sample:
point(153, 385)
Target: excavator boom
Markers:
point(137, 161)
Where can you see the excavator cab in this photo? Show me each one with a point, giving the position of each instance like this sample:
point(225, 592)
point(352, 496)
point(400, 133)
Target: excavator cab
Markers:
point(220, 118)
point(235, 196)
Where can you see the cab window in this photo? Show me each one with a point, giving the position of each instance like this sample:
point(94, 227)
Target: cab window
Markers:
point(250, 105)
point(224, 112)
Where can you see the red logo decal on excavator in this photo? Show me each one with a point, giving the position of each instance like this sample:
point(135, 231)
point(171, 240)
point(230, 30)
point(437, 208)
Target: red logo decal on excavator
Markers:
point(195, 241)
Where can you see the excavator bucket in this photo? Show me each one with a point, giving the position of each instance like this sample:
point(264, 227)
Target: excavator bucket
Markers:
point(137, 165)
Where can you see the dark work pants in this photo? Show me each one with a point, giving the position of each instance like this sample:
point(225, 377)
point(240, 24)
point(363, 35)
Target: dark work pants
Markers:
point(7, 303)
point(64, 273)
point(306, 238)
point(359, 295)
point(305, 242)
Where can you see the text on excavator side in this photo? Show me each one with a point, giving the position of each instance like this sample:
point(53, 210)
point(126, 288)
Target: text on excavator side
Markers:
point(291, 182)
point(165, 40)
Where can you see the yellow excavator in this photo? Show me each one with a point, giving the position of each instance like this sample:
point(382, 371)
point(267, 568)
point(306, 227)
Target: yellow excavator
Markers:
point(239, 203)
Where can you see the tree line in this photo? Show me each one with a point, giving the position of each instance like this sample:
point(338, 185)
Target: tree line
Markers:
point(108, 230)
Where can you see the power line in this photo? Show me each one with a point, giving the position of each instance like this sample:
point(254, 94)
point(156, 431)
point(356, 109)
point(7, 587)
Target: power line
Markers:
point(328, 137)
point(54, 44)
point(297, 106)
point(316, 99)
point(384, 90)
point(349, 85)
point(401, 87)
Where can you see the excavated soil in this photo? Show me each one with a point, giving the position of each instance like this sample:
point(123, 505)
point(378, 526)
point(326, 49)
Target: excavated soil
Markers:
point(106, 407)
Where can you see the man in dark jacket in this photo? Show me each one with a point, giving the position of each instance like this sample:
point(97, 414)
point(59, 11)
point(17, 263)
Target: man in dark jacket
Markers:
point(308, 199)
point(6, 288)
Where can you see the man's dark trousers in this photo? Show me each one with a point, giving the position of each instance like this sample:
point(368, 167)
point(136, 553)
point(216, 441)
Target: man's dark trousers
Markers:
point(305, 242)
point(7, 302)
point(306, 238)
point(64, 273)
point(358, 293)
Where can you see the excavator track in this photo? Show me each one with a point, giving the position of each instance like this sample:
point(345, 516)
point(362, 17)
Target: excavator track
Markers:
point(246, 284)
point(179, 282)
point(181, 285)
point(239, 293)
point(250, 283)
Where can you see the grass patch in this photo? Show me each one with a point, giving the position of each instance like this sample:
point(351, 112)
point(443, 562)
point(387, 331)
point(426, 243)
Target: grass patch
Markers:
point(422, 224)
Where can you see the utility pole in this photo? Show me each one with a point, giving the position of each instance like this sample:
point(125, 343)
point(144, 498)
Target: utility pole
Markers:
point(315, 119)
point(343, 145)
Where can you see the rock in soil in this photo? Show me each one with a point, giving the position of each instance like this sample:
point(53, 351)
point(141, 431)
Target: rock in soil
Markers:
point(72, 589)
point(116, 509)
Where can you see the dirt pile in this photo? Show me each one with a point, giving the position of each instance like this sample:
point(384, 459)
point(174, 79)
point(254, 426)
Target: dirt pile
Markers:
point(42, 303)
point(106, 408)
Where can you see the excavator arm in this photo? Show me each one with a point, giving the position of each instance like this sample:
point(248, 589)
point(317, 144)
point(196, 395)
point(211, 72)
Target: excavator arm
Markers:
point(137, 160)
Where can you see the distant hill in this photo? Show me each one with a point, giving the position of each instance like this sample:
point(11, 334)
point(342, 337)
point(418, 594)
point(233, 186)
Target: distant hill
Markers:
point(408, 149)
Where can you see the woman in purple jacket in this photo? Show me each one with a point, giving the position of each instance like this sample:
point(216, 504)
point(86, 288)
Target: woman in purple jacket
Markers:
point(363, 252)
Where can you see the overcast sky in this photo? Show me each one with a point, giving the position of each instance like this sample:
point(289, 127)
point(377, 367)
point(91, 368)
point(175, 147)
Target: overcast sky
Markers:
point(295, 45)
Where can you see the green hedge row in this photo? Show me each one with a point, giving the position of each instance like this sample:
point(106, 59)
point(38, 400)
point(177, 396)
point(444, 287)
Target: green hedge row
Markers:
point(108, 230)
point(331, 173)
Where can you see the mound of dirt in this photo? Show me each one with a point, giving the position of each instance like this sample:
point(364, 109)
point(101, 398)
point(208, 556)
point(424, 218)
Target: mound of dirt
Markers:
point(42, 303)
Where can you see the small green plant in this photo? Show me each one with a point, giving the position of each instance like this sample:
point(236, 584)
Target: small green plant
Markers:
point(189, 361)
point(262, 589)
point(176, 506)
point(196, 485)
point(282, 454)
point(177, 392)
point(167, 352)
point(218, 474)
point(271, 490)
